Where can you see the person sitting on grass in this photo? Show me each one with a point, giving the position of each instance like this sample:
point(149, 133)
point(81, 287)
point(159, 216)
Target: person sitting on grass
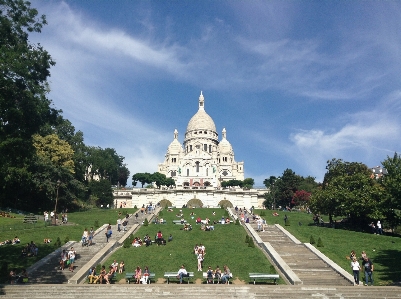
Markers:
point(103, 275)
point(92, 275)
point(182, 273)
point(110, 274)
point(23, 277)
point(114, 265)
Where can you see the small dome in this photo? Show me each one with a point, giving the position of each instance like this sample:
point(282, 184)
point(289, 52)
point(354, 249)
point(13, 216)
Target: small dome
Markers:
point(175, 146)
point(225, 147)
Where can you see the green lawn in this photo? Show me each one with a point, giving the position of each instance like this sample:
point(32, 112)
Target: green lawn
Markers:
point(225, 245)
point(11, 227)
point(385, 251)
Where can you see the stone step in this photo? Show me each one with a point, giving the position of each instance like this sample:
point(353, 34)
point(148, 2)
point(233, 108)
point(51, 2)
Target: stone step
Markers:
point(195, 291)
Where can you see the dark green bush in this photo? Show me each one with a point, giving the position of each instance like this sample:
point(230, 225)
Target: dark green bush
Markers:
point(312, 240)
point(146, 222)
point(67, 239)
point(319, 243)
point(57, 244)
point(237, 222)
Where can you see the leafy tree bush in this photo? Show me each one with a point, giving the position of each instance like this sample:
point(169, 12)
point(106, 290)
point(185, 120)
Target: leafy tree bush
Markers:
point(67, 239)
point(237, 222)
point(57, 244)
point(312, 240)
point(319, 243)
point(128, 241)
point(146, 222)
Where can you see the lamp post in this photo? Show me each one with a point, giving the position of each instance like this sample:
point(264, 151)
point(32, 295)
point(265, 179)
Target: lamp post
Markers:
point(55, 206)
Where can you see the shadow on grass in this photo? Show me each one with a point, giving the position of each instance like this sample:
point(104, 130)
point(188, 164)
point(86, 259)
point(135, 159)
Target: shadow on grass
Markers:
point(389, 270)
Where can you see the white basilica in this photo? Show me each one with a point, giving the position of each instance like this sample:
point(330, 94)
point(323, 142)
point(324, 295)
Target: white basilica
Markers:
point(202, 160)
point(198, 167)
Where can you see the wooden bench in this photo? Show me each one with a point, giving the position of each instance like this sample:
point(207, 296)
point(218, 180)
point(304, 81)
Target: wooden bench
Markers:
point(179, 222)
point(214, 279)
point(129, 276)
point(170, 275)
point(263, 276)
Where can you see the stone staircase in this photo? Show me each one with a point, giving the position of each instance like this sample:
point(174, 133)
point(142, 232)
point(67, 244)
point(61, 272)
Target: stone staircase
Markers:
point(310, 269)
point(195, 291)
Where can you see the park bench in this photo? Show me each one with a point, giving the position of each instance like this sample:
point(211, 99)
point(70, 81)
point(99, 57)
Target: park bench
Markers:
point(31, 218)
point(170, 275)
point(129, 276)
point(214, 279)
point(179, 222)
point(263, 276)
point(158, 222)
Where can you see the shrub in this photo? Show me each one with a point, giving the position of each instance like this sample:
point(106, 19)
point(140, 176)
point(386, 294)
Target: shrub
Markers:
point(128, 241)
point(4, 271)
point(237, 222)
point(146, 222)
point(312, 240)
point(287, 223)
point(67, 239)
point(319, 243)
point(57, 244)
point(96, 225)
point(135, 207)
point(246, 239)
point(251, 243)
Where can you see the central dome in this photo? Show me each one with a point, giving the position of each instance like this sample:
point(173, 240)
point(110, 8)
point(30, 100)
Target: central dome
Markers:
point(201, 120)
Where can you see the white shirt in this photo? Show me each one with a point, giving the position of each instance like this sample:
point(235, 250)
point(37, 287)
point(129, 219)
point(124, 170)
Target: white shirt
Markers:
point(182, 270)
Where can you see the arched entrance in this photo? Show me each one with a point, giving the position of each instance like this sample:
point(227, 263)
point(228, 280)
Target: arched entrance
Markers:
point(164, 203)
point(195, 203)
point(225, 204)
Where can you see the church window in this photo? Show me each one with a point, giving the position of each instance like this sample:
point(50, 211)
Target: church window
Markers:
point(210, 148)
point(173, 173)
point(190, 148)
point(205, 147)
point(240, 168)
point(174, 160)
point(197, 146)
point(207, 171)
point(224, 173)
point(188, 172)
point(197, 166)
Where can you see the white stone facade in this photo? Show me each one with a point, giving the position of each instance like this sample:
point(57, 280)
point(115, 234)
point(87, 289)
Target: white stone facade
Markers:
point(203, 160)
point(210, 197)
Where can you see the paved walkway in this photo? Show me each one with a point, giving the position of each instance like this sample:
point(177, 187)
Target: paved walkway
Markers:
point(47, 270)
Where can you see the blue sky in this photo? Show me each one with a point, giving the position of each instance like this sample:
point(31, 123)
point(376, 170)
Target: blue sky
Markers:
point(295, 83)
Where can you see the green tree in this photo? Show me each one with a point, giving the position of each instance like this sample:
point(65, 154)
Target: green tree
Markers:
point(391, 181)
point(143, 178)
point(348, 190)
point(24, 107)
point(123, 175)
point(248, 183)
point(102, 191)
point(159, 179)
